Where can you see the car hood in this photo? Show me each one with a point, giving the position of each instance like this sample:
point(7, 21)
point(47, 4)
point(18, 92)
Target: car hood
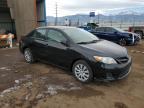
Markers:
point(130, 33)
point(106, 48)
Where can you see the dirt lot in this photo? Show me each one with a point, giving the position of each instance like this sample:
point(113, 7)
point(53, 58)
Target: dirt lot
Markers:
point(41, 85)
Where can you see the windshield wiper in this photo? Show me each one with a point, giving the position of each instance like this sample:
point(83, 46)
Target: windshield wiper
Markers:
point(93, 41)
point(82, 43)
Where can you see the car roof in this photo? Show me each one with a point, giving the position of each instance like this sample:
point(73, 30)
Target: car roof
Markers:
point(57, 27)
point(106, 27)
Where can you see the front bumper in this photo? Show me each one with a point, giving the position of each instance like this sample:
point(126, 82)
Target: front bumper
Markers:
point(112, 72)
point(134, 40)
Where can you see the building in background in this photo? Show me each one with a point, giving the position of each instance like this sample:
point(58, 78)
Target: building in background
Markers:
point(6, 23)
point(22, 16)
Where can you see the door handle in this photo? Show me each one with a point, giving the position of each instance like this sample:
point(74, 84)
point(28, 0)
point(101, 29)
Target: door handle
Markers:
point(106, 34)
point(46, 44)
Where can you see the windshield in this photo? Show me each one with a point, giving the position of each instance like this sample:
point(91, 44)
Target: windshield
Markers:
point(80, 36)
point(120, 30)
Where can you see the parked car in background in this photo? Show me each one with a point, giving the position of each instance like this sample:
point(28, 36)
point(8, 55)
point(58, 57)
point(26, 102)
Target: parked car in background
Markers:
point(90, 27)
point(77, 50)
point(138, 30)
point(117, 35)
point(87, 28)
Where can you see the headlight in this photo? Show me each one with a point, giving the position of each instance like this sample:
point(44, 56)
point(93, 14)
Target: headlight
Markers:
point(106, 60)
point(130, 35)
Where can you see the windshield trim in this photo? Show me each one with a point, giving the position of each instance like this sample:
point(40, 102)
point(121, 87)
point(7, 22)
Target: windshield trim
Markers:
point(84, 33)
point(119, 30)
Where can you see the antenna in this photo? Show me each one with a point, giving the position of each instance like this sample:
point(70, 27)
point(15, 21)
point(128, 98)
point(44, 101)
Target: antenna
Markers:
point(56, 18)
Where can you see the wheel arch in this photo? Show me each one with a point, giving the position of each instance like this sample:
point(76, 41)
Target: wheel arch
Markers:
point(139, 31)
point(85, 62)
point(75, 60)
point(24, 49)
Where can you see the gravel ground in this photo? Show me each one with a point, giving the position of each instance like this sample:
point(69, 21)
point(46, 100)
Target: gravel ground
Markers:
point(42, 85)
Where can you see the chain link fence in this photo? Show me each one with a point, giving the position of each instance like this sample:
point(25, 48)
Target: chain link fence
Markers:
point(124, 25)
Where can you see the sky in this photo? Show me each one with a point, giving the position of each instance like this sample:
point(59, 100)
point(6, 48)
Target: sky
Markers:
point(72, 7)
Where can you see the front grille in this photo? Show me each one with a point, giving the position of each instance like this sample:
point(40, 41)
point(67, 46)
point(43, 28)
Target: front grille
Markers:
point(135, 37)
point(122, 73)
point(122, 60)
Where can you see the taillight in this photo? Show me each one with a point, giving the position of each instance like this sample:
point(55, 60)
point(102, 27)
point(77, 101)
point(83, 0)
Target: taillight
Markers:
point(130, 29)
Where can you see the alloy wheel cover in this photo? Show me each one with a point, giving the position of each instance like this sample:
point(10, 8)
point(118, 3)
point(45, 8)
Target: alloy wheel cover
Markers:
point(81, 72)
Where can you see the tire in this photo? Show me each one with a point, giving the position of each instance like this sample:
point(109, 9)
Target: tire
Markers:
point(82, 71)
point(28, 56)
point(140, 33)
point(122, 42)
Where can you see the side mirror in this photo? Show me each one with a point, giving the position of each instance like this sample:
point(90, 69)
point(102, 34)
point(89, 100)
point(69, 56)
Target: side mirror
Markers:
point(64, 42)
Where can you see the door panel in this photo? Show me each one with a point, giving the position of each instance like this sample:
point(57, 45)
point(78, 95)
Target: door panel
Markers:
point(110, 34)
point(39, 43)
point(100, 32)
point(39, 47)
point(57, 53)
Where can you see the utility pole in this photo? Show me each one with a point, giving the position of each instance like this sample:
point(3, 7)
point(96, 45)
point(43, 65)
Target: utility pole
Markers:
point(121, 22)
point(98, 18)
point(133, 20)
point(78, 22)
point(111, 22)
point(56, 18)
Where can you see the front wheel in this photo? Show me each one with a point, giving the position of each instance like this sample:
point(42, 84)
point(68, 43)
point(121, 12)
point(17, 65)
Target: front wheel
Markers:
point(140, 34)
point(28, 56)
point(122, 42)
point(82, 71)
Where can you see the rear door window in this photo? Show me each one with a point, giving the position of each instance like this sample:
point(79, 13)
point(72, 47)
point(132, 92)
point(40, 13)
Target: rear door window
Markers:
point(55, 35)
point(40, 34)
point(31, 34)
point(109, 30)
point(101, 29)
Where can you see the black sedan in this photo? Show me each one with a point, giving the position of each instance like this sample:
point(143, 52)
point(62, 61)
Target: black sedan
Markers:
point(117, 35)
point(77, 50)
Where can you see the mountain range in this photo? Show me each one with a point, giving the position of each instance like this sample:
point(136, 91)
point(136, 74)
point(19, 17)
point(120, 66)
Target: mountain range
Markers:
point(123, 11)
point(116, 15)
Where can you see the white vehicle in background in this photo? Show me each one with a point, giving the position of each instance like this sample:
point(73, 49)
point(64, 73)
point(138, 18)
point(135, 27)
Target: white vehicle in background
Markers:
point(138, 30)
point(5, 39)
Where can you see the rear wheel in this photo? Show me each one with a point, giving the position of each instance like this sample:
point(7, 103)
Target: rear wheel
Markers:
point(82, 71)
point(122, 42)
point(28, 56)
point(139, 33)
